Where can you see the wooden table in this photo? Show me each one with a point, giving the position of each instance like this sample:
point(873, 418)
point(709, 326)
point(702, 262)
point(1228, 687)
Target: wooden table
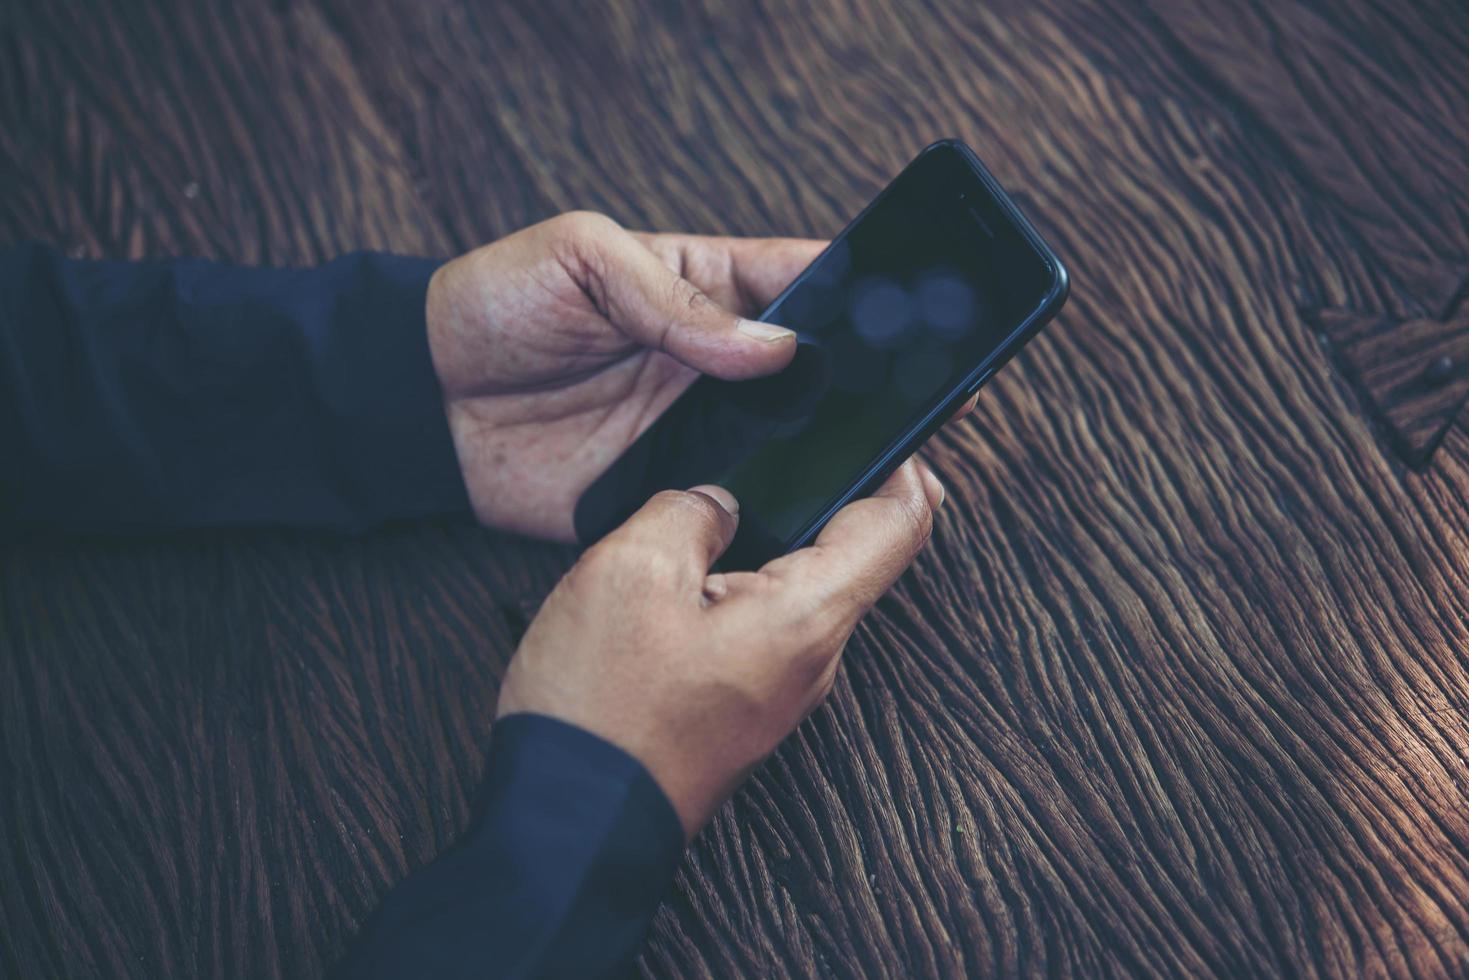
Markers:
point(1180, 687)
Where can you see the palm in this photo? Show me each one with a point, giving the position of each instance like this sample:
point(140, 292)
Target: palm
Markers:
point(546, 388)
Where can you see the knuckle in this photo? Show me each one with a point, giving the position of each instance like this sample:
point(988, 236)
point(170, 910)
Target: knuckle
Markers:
point(684, 295)
point(583, 225)
point(917, 517)
point(579, 242)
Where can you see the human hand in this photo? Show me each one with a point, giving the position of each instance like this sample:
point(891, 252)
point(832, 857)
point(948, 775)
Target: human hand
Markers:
point(558, 345)
point(700, 676)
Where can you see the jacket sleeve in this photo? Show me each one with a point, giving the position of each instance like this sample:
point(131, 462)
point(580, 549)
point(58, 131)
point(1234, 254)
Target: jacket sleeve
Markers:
point(137, 396)
point(566, 859)
point(185, 393)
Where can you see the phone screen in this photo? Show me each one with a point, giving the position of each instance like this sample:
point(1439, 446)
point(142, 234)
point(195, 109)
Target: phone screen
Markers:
point(933, 280)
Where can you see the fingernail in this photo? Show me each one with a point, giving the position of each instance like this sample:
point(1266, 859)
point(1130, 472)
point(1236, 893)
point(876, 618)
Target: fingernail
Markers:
point(934, 483)
point(721, 496)
point(764, 331)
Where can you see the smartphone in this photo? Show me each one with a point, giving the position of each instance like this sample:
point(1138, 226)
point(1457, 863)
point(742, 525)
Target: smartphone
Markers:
point(908, 312)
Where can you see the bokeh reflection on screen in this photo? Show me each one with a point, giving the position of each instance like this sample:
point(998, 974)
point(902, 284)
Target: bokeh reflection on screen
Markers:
point(881, 330)
point(888, 319)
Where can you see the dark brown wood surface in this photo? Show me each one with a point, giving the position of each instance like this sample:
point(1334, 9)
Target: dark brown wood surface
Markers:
point(1180, 687)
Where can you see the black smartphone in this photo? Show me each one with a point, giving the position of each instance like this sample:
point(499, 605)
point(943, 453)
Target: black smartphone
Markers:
point(909, 311)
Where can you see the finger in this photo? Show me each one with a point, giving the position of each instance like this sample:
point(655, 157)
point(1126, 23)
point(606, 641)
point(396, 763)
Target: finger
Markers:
point(656, 307)
point(964, 409)
point(682, 530)
point(764, 267)
point(933, 487)
point(744, 274)
point(864, 548)
point(724, 585)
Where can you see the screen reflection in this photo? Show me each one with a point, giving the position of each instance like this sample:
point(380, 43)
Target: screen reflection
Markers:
point(889, 319)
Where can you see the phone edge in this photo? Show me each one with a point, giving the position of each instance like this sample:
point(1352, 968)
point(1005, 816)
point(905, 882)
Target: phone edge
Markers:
point(889, 461)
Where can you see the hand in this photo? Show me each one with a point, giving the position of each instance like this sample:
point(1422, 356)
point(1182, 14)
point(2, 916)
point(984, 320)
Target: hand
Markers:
point(557, 346)
point(700, 676)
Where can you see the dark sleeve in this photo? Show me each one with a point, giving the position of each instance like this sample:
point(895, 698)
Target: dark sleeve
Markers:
point(185, 393)
point(570, 851)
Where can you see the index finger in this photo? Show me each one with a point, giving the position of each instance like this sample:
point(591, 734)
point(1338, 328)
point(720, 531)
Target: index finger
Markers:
point(745, 274)
point(864, 549)
point(763, 267)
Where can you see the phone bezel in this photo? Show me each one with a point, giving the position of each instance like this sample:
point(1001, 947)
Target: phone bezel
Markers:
point(887, 461)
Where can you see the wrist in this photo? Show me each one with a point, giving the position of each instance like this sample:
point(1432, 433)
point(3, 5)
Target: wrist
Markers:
point(439, 319)
point(617, 755)
point(685, 782)
point(442, 318)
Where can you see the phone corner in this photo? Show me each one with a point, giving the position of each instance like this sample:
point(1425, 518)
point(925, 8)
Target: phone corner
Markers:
point(944, 143)
point(1060, 284)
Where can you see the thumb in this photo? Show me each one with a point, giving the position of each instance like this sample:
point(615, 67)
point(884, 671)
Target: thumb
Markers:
point(658, 308)
point(687, 529)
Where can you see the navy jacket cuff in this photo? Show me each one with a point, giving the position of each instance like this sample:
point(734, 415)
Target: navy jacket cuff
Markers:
point(382, 396)
point(568, 855)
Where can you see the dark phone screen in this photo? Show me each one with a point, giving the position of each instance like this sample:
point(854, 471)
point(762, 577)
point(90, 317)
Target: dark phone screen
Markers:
point(927, 285)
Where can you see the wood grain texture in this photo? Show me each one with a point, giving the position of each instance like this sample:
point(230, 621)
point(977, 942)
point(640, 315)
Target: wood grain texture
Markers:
point(1180, 686)
point(1412, 374)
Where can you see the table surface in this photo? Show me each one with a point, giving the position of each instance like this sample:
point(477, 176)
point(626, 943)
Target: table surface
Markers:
point(1179, 687)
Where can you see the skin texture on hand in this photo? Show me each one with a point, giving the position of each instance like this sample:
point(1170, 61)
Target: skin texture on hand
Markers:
point(558, 345)
point(555, 348)
point(700, 676)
